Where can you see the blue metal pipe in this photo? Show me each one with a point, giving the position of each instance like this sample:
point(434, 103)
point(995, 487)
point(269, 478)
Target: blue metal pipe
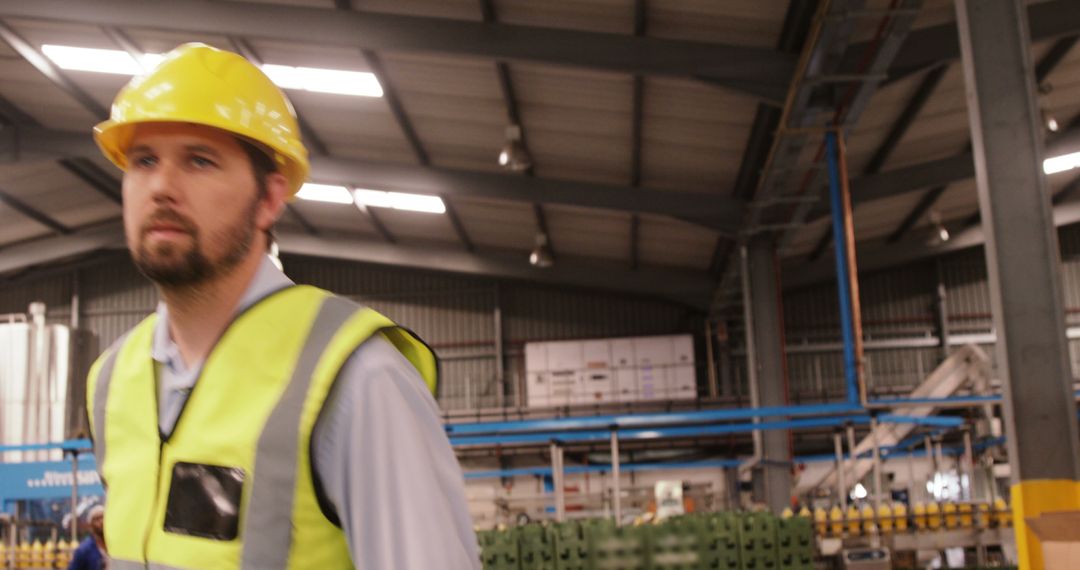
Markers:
point(605, 468)
point(646, 420)
point(843, 287)
point(652, 433)
point(973, 400)
point(81, 445)
point(946, 422)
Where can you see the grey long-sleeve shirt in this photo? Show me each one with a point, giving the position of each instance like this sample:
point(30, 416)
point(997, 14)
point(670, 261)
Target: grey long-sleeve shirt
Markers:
point(380, 451)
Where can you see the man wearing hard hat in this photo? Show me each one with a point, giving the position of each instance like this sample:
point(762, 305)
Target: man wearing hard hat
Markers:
point(251, 422)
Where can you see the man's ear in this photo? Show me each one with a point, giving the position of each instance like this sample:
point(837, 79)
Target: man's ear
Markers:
point(273, 202)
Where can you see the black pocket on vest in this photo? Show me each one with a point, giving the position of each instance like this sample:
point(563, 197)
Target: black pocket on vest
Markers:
point(204, 501)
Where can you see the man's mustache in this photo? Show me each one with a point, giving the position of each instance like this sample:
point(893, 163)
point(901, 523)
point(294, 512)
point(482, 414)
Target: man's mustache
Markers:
point(168, 217)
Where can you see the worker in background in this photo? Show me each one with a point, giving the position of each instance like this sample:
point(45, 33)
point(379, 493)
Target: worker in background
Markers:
point(251, 422)
point(90, 555)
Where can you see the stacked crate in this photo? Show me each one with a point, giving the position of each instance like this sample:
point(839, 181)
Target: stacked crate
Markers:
point(795, 543)
point(757, 541)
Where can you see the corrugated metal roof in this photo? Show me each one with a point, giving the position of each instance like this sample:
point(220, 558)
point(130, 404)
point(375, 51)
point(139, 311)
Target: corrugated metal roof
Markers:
point(455, 106)
point(578, 123)
point(739, 22)
point(498, 223)
point(46, 187)
point(612, 16)
point(670, 243)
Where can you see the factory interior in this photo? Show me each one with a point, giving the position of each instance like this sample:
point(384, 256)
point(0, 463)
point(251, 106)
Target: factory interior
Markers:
point(738, 284)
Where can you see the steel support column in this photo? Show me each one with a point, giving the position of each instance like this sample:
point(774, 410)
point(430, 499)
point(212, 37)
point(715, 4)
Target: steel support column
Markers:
point(766, 312)
point(1023, 264)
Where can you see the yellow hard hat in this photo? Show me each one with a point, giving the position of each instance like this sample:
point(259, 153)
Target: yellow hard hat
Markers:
point(199, 84)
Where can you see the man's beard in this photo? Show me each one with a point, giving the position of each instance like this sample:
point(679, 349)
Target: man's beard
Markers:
point(165, 265)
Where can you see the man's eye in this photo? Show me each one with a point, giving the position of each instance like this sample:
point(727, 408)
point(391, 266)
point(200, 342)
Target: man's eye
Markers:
point(144, 161)
point(202, 162)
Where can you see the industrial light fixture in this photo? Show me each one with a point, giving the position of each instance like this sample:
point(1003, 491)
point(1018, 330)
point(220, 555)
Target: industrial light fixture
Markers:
point(318, 80)
point(400, 201)
point(358, 83)
point(513, 156)
point(325, 193)
point(941, 234)
point(98, 60)
point(541, 255)
point(1061, 163)
point(859, 492)
point(1049, 121)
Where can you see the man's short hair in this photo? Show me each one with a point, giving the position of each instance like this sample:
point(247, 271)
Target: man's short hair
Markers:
point(262, 165)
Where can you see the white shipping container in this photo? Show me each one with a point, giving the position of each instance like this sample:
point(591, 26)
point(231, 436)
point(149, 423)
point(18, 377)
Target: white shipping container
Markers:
point(683, 378)
point(564, 355)
point(610, 370)
point(536, 359)
point(653, 357)
point(537, 389)
point(624, 368)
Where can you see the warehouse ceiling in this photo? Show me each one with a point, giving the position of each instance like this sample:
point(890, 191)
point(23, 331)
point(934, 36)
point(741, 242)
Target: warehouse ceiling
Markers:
point(661, 132)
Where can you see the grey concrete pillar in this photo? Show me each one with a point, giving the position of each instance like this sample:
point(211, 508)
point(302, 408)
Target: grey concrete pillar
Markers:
point(767, 312)
point(1023, 261)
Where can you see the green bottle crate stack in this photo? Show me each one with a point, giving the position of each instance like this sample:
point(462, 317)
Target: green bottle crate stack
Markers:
point(712, 541)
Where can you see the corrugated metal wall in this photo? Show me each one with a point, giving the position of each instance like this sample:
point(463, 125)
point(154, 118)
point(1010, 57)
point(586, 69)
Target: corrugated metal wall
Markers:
point(900, 303)
point(455, 314)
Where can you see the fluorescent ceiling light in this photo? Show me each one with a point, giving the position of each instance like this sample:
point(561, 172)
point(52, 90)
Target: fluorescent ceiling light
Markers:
point(314, 79)
point(324, 80)
point(400, 201)
point(1061, 163)
point(96, 60)
point(325, 193)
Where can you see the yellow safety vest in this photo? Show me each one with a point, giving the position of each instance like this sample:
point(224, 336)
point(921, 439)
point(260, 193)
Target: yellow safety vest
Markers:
point(232, 487)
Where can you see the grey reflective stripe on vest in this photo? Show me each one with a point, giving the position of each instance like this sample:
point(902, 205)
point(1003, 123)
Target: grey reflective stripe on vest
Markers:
point(267, 532)
point(101, 396)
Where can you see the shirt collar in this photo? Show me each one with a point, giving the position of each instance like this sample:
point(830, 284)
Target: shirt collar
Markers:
point(268, 278)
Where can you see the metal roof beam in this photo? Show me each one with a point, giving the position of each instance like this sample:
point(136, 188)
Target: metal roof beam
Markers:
point(1043, 68)
point(28, 211)
point(762, 73)
point(718, 213)
point(879, 254)
point(930, 46)
point(94, 177)
point(686, 288)
point(42, 251)
point(797, 23)
point(51, 72)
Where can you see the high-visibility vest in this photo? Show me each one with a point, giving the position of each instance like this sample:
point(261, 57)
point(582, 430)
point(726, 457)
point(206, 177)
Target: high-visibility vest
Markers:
point(233, 485)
